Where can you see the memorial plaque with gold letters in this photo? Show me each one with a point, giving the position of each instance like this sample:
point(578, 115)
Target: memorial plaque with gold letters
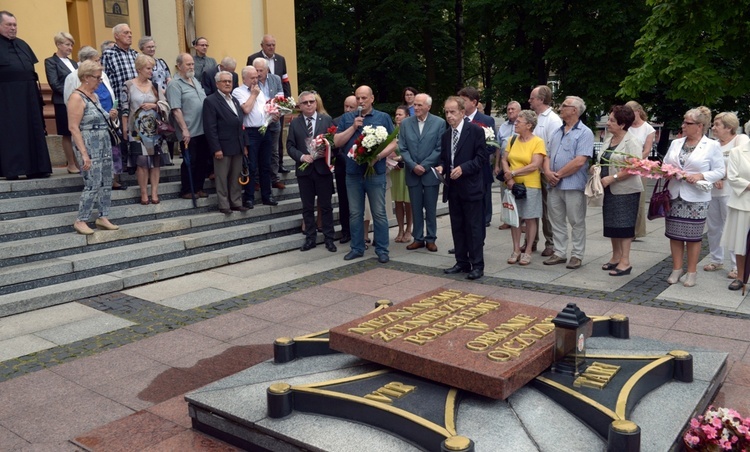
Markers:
point(489, 347)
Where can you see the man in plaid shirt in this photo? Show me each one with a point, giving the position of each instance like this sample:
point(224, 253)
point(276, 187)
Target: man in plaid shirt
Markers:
point(119, 60)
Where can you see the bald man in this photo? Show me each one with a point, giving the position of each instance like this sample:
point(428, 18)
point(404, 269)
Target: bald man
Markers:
point(357, 184)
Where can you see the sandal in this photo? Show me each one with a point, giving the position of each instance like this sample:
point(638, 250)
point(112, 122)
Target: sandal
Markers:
point(732, 274)
point(525, 259)
point(399, 238)
point(736, 285)
point(513, 258)
point(609, 266)
point(712, 267)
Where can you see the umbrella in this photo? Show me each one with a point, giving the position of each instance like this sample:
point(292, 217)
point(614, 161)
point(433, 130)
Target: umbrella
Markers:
point(186, 159)
point(746, 271)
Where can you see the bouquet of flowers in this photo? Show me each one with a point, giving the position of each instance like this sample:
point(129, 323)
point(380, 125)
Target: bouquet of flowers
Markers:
point(718, 429)
point(489, 135)
point(368, 145)
point(320, 147)
point(278, 105)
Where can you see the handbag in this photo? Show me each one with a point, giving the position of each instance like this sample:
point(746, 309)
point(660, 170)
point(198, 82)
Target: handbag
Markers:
point(594, 190)
point(163, 127)
point(115, 134)
point(509, 214)
point(519, 190)
point(660, 201)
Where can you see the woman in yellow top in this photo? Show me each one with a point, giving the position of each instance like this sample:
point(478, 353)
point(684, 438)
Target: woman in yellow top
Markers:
point(521, 162)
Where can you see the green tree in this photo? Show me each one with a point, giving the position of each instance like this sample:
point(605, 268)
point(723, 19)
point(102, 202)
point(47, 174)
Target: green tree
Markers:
point(691, 53)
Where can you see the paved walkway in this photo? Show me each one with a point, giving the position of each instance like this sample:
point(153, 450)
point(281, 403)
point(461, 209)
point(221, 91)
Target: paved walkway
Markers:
point(109, 372)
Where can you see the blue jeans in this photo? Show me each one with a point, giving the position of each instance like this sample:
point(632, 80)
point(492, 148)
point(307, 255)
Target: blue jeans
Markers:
point(374, 186)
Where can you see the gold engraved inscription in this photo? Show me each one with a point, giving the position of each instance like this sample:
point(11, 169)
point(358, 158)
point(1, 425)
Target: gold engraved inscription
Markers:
point(597, 376)
point(515, 345)
point(393, 390)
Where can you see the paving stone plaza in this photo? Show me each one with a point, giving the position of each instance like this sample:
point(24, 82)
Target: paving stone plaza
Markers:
point(109, 372)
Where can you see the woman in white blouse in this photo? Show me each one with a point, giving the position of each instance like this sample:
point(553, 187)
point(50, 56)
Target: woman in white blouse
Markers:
point(700, 159)
point(725, 130)
point(646, 134)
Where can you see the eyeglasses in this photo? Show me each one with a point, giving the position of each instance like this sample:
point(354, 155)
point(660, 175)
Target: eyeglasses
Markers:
point(225, 81)
point(96, 77)
point(688, 123)
point(307, 102)
point(567, 106)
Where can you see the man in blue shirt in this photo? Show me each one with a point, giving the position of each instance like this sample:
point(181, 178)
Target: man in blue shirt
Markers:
point(357, 185)
point(566, 168)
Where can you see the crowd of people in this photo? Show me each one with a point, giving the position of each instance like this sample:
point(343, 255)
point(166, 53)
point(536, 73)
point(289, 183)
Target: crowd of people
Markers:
point(220, 124)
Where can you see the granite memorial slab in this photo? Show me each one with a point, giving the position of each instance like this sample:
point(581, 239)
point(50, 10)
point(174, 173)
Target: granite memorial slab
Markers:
point(467, 341)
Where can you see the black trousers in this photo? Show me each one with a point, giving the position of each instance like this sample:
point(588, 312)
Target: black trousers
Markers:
point(343, 197)
point(199, 164)
point(310, 186)
point(467, 227)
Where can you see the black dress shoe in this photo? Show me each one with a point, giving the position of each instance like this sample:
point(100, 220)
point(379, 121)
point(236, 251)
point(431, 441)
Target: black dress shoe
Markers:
point(309, 244)
point(225, 211)
point(475, 274)
point(455, 269)
point(383, 258)
point(283, 170)
point(330, 246)
point(248, 204)
point(452, 251)
point(345, 239)
point(270, 202)
point(352, 255)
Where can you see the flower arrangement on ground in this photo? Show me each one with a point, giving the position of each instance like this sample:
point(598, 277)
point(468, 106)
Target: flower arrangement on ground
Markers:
point(718, 429)
point(277, 105)
point(369, 144)
point(320, 147)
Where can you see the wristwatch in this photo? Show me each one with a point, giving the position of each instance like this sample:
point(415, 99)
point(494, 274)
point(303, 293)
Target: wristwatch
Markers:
point(614, 176)
point(512, 174)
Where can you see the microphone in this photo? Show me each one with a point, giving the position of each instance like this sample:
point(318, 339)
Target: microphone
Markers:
point(359, 110)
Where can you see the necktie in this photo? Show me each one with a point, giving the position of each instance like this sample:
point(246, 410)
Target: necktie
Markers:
point(454, 144)
point(309, 127)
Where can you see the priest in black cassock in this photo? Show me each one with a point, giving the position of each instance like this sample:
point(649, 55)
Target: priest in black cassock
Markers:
point(23, 146)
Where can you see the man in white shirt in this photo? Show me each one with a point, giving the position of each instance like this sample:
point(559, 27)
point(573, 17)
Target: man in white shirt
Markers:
point(547, 122)
point(253, 101)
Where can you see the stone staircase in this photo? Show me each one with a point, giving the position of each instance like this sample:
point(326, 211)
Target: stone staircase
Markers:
point(43, 262)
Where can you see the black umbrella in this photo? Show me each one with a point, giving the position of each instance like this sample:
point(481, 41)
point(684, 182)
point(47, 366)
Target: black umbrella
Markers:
point(186, 158)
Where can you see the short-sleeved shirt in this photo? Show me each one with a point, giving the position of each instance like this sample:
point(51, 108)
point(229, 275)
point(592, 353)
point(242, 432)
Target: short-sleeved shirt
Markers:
point(521, 154)
point(257, 115)
point(188, 98)
point(546, 123)
point(564, 147)
point(374, 118)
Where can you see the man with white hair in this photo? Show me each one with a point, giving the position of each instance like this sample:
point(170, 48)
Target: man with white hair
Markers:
point(419, 143)
point(566, 168)
point(208, 80)
point(271, 86)
point(118, 61)
point(186, 96)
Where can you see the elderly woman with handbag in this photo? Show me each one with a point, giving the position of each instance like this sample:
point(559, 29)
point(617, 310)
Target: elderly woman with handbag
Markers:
point(621, 190)
point(701, 161)
point(521, 162)
point(88, 123)
point(142, 108)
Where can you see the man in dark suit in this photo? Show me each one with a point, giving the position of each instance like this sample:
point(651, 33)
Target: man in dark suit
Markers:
point(208, 79)
point(222, 125)
point(276, 65)
point(316, 178)
point(419, 143)
point(470, 95)
point(350, 104)
point(462, 158)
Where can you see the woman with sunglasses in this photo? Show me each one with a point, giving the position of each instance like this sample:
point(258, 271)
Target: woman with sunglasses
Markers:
point(700, 159)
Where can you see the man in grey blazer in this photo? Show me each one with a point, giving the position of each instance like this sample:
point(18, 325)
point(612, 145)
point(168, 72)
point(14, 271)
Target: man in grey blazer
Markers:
point(419, 143)
point(271, 86)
